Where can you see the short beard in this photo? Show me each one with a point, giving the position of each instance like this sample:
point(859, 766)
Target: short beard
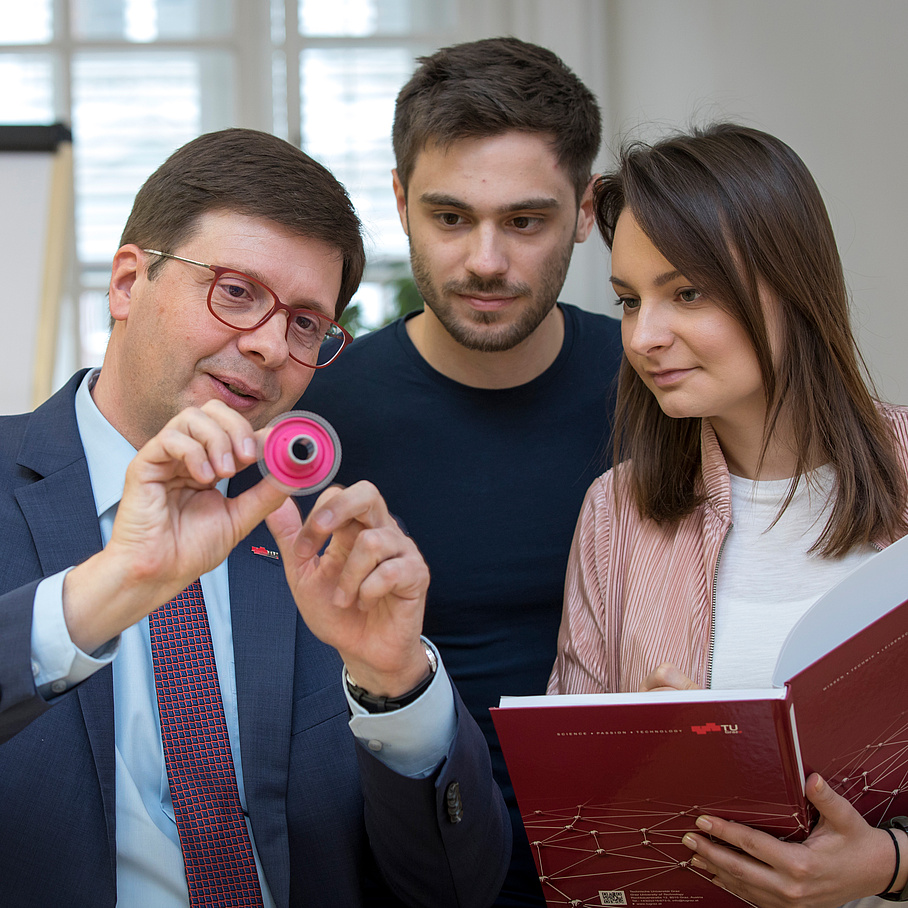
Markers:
point(480, 331)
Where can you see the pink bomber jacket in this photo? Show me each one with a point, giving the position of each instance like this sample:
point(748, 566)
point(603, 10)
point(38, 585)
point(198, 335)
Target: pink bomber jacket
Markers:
point(639, 593)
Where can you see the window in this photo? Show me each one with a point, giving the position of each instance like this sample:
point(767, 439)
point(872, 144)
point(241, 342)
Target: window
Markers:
point(137, 78)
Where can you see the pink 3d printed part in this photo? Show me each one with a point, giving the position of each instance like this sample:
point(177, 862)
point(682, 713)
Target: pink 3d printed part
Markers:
point(301, 453)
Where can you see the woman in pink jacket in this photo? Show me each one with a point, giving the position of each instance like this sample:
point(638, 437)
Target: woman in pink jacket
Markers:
point(756, 468)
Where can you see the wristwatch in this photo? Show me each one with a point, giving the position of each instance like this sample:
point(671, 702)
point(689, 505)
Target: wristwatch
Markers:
point(896, 823)
point(376, 704)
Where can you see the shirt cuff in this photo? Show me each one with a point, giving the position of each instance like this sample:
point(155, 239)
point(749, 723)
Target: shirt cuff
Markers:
point(57, 663)
point(414, 740)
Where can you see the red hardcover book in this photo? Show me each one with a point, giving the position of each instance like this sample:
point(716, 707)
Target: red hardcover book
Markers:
point(608, 784)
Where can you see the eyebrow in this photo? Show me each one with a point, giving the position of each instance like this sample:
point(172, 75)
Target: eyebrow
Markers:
point(537, 203)
point(659, 281)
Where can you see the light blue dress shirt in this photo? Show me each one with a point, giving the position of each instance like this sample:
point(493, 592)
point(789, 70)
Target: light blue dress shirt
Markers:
point(150, 871)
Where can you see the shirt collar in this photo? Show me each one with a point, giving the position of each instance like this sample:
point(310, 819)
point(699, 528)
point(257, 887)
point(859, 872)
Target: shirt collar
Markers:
point(107, 452)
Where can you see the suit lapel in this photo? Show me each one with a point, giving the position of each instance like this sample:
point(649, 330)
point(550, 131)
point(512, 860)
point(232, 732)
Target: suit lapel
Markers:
point(59, 508)
point(264, 619)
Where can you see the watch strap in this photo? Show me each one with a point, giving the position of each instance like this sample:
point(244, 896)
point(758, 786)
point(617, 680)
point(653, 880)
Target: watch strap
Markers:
point(377, 704)
point(896, 823)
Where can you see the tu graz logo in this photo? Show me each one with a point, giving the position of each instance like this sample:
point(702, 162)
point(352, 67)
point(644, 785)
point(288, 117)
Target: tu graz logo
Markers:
point(711, 726)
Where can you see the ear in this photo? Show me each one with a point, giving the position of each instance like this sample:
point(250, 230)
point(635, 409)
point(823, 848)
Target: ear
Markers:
point(401, 196)
point(125, 271)
point(585, 218)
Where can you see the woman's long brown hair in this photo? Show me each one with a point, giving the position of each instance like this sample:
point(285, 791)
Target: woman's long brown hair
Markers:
point(736, 211)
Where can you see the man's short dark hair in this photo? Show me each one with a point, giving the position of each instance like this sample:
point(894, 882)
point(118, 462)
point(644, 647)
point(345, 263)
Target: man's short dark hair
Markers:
point(254, 174)
point(485, 88)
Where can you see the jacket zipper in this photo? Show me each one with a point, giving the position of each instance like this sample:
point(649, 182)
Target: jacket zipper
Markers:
point(712, 623)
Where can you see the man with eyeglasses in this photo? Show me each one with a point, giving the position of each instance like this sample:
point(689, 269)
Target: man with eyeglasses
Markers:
point(177, 677)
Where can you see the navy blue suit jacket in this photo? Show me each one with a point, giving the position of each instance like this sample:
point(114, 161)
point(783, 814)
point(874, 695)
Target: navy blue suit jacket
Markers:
point(323, 810)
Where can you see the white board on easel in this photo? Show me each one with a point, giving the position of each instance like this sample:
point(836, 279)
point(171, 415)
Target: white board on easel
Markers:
point(36, 248)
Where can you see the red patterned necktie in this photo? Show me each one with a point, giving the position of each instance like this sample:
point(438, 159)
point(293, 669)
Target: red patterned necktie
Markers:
point(217, 853)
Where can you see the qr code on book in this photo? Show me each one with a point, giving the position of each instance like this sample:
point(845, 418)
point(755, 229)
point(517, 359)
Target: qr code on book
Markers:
point(613, 897)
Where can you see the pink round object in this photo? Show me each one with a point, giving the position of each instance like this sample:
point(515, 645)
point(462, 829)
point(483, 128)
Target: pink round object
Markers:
point(301, 452)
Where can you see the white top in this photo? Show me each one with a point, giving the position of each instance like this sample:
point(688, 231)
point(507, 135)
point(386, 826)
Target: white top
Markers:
point(767, 579)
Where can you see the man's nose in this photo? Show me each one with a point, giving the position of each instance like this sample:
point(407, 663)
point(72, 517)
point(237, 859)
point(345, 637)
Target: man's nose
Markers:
point(487, 255)
point(268, 341)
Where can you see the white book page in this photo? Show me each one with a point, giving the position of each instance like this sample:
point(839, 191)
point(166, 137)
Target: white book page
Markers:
point(652, 696)
point(870, 591)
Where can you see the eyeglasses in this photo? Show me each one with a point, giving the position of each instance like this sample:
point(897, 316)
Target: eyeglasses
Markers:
point(244, 304)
